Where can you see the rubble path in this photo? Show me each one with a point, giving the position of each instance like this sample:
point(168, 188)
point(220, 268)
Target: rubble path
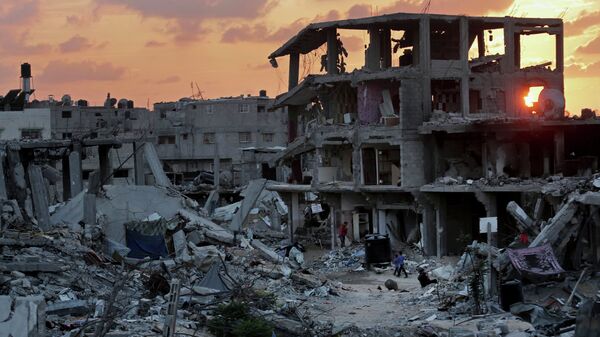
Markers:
point(364, 305)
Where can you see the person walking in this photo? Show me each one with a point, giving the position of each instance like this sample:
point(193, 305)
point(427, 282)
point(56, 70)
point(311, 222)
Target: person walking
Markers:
point(399, 264)
point(342, 232)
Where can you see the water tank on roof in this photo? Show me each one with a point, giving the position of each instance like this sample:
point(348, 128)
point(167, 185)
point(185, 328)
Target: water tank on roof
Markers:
point(129, 104)
point(552, 103)
point(262, 93)
point(122, 103)
point(25, 70)
point(82, 102)
point(66, 100)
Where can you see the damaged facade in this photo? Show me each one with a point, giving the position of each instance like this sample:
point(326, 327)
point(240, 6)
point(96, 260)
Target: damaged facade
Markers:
point(240, 131)
point(434, 131)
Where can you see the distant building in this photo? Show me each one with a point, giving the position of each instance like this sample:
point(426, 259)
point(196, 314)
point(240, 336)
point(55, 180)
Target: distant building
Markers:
point(121, 120)
point(18, 120)
point(241, 130)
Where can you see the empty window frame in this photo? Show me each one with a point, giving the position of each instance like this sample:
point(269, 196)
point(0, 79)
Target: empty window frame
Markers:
point(169, 139)
point(208, 138)
point(268, 137)
point(31, 133)
point(245, 137)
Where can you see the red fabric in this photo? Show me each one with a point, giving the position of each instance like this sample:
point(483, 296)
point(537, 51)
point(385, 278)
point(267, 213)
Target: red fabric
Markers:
point(524, 238)
point(343, 230)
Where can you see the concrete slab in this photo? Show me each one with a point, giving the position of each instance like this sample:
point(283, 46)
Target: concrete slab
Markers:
point(25, 319)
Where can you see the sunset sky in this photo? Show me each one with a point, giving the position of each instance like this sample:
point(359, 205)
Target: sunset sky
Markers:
point(151, 50)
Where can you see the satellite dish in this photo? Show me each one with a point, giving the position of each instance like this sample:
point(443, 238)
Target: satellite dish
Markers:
point(552, 103)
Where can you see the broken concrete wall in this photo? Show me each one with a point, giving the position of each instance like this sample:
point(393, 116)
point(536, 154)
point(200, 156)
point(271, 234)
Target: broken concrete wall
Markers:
point(22, 317)
point(370, 96)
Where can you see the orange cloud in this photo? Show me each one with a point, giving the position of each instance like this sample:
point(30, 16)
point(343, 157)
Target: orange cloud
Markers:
point(154, 43)
point(18, 12)
point(169, 80)
point(579, 71)
point(469, 7)
point(187, 16)
point(59, 71)
point(582, 23)
point(74, 44)
point(593, 47)
point(261, 33)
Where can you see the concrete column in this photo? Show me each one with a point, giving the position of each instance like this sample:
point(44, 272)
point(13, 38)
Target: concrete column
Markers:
point(356, 165)
point(464, 61)
point(296, 214)
point(332, 227)
point(373, 60)
point(517, 53)
point(386, 48)
point(440, 220)
point(39, 194)
point(559, 150)
point(89, 209)
point(75, 173)
point(66, 179)
point(428, 230)
point(508, 62)
point(546, 155)
point(294, 72)
point(425, 65)
point(375, 224)
point(138, 163)
point(317, 163)
point(216, 165)
point(425, 45)
point(293, 112)
point(105, 164)
point(560, 50)
point(481, 43)
point(332, 51)
point(381, 217)
point(3, 192)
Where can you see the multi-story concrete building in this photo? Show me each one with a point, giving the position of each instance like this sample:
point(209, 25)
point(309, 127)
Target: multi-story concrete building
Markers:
point(241, 131)
point(431, 140)
point(114, 120)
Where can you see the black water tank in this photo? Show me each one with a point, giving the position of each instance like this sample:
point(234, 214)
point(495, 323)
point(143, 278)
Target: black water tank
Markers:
point(25, 70)
point(262, 93)
point(511, 292)
point(377, 249)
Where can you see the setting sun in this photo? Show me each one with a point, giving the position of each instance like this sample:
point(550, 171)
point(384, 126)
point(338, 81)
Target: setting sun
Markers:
point(532, 96)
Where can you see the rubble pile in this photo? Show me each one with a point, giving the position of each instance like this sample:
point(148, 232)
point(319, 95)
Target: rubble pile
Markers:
point(117, 275)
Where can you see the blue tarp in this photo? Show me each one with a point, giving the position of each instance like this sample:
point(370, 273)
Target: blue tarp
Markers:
point(145, 245)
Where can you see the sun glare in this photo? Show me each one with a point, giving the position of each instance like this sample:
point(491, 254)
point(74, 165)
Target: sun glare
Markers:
point(532, 96)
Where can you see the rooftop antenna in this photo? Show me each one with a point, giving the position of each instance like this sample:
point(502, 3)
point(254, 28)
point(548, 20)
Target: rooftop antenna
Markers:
point(563, 13)
point(513, 9)
point(199, 91)
point(426, 8)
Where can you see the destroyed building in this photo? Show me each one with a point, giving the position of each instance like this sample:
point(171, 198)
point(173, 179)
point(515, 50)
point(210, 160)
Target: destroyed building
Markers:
point(434, 131)
point(240, 131)
point(114, 119)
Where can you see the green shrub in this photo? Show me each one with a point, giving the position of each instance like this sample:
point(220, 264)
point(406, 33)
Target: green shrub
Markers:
point(234, 320)
point(225, 318)
point(253, 327)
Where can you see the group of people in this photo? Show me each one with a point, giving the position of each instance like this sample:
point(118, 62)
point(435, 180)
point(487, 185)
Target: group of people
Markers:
point(423, 278)
point(398, 261)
